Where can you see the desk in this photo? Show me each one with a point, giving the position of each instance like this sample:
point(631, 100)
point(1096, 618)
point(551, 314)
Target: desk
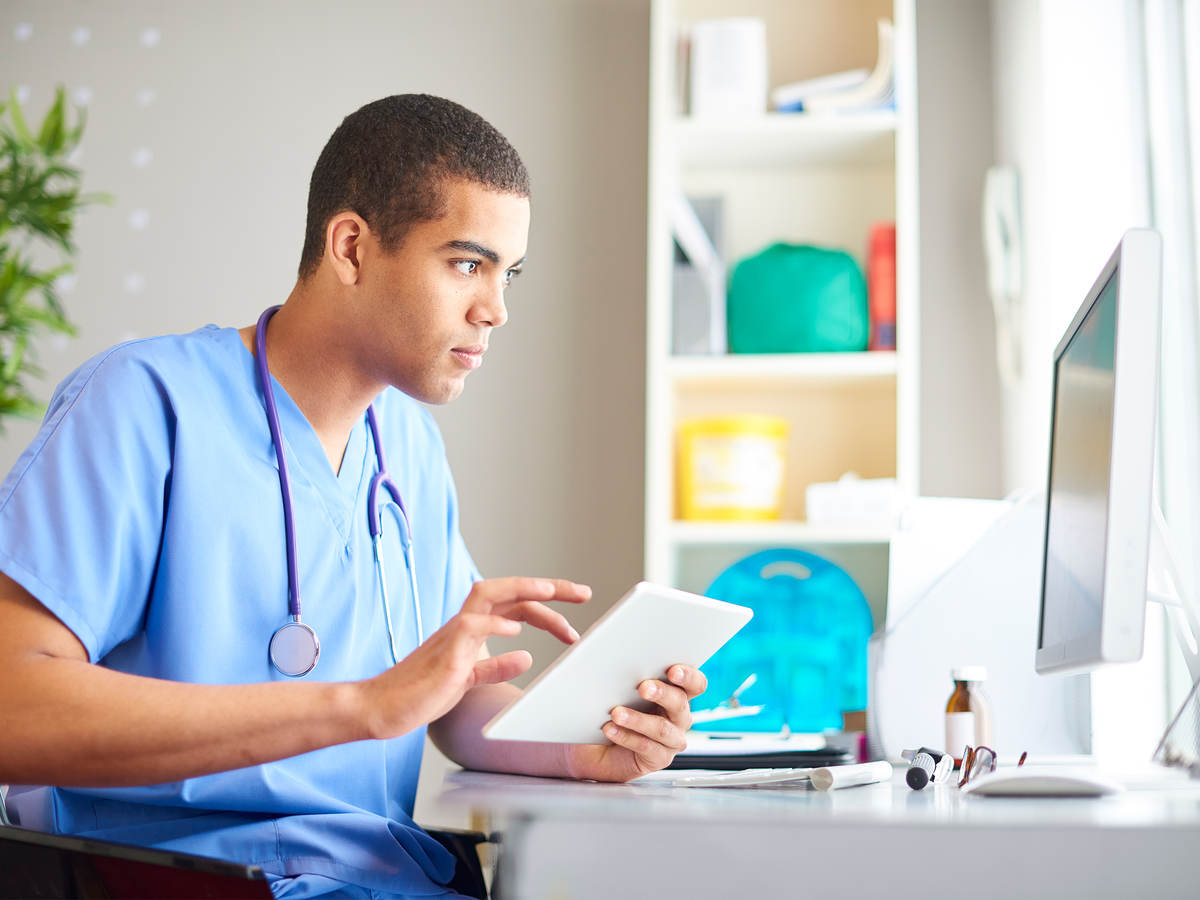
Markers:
point(582, 840)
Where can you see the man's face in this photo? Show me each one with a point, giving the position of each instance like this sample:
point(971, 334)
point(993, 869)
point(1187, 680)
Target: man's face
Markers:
point(430, 306)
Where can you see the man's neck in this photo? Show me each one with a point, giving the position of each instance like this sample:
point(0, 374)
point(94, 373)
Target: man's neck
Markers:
point(318, 374)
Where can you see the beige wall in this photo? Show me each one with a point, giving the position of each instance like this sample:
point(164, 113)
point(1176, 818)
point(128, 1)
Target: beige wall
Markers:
point(961, 436)
point(546, 443)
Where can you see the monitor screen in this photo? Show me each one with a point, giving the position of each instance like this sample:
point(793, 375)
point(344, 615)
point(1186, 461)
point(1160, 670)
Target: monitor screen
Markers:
point(1080, 456)
point(1100, 486)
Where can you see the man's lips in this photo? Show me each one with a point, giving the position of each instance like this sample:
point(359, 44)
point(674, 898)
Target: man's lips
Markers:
point(470, 356)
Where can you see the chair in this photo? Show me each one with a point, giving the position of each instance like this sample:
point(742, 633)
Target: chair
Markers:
point(36, 864)
point(468, 873)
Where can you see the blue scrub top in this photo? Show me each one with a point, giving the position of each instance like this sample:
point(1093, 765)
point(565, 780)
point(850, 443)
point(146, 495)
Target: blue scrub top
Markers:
point(147, 516)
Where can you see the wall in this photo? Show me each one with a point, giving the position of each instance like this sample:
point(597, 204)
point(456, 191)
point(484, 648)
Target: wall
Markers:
point(960, 426)
point(1065, 118)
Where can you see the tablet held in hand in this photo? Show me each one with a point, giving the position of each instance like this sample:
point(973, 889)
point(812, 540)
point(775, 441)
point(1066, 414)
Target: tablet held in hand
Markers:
point(645, 632)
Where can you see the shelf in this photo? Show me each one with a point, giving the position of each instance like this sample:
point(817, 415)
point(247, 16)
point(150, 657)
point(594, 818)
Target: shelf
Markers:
point(781, 366)
point(782, 533)
point(774, 139)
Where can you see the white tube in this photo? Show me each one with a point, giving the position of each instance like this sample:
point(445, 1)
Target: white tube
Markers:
point(831, 778)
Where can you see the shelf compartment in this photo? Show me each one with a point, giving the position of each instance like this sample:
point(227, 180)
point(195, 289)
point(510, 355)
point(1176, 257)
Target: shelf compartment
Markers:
point(782, 532)
point(831, 207)
point(835, 426)
point(787, 139)
point(697, 567)
point(708, 370)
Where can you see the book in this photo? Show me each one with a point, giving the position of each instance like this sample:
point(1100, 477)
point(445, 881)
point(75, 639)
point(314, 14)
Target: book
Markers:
point(791, 97)
point(847, 91)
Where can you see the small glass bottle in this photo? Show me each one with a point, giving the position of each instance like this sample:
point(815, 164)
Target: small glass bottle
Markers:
point(968, 712)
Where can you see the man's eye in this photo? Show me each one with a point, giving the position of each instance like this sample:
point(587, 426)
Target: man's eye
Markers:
point(466, 266)
point(510, 275)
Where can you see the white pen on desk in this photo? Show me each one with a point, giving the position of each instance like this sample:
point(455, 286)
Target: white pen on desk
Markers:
point(733, 701)
point(731, 708)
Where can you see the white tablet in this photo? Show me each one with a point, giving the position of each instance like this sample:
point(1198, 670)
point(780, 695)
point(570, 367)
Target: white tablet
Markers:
point(648, 630)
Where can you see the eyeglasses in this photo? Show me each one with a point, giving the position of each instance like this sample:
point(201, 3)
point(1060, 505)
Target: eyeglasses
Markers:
point(978, 761)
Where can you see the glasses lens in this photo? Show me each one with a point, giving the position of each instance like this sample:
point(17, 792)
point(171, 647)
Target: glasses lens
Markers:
point(983, 762)
point(968, 757)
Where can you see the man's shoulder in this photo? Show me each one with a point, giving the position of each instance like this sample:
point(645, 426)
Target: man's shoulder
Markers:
point(160, 366)
point(167, 353)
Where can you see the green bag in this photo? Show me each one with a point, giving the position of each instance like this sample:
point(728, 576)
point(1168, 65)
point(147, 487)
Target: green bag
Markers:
point(793, 298)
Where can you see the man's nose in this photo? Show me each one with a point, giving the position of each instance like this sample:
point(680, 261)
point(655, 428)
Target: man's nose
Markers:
point(490, 309)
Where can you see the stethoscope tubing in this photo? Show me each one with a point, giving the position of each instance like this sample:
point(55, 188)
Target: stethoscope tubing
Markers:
point(381, 479)
point(264, 376)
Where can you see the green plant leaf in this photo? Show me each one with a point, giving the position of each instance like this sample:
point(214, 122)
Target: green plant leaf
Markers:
point(40, 201)
point(18, 120)
point(52, 132)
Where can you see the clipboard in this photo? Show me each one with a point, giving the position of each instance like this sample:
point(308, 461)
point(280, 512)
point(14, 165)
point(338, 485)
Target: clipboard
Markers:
point(648, 630)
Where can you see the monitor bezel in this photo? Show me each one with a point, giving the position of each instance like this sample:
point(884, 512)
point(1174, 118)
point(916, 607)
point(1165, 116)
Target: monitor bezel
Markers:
point(1137, 265)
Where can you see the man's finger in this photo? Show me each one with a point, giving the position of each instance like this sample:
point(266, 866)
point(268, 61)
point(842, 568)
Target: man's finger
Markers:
point(672, 699)
point(655, 755)
point(540, 616)
point(506, 666)
point(689, 678)
point(483, 625)
point(658, 729)
point(486, 594)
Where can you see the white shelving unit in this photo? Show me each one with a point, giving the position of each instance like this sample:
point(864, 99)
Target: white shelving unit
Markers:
point(805, 178)
point(696, 370)
point(777, 139)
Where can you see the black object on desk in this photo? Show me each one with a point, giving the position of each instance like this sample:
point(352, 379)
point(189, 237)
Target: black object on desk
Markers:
point(787, 759)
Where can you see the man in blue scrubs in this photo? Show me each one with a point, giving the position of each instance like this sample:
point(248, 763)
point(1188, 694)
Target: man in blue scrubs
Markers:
point(143, 557)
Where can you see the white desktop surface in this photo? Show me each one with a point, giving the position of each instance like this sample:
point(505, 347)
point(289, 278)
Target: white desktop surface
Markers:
point(571, 839)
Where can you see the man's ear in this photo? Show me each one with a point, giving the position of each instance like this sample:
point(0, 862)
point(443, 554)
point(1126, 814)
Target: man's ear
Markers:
point(345, 236)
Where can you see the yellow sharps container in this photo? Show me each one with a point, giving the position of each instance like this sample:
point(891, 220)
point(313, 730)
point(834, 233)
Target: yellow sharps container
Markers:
point(731, 467)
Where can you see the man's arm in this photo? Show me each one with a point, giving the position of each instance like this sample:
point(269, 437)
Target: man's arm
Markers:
point(641, 742)
point(66, 721)
point(458, 734)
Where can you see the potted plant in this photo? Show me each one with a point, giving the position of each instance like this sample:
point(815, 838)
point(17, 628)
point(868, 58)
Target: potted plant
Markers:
point(40, 199)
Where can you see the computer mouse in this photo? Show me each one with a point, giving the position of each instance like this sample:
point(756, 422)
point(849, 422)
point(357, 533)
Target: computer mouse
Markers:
point(1043, 781)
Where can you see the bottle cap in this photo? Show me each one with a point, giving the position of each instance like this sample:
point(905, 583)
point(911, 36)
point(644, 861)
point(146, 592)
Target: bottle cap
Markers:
point(916, 777)
point(920, 771)
point(969, 673)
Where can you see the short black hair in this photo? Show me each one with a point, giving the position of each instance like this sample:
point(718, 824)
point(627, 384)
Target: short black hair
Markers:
point(387, 162)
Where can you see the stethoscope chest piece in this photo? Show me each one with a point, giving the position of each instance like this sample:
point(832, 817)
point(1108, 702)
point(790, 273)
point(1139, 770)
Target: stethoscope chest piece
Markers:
point(294, 649)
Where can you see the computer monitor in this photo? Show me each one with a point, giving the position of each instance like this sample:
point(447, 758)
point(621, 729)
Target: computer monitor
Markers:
point(1102, 446)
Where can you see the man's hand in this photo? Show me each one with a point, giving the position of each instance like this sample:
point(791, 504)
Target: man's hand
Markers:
point(433, 678)
point(642, 742)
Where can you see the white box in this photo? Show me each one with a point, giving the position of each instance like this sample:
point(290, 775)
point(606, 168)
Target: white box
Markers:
point(729, 67)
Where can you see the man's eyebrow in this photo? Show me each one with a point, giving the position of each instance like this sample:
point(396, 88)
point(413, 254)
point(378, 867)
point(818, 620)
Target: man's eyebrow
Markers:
point(479, 249)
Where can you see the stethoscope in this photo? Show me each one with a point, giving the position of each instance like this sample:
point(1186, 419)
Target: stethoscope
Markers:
point(294, 646)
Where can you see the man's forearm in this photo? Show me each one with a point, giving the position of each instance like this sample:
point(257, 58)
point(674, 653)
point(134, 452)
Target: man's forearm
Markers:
point(68, 722)
point(458, 734)
point(65, 721)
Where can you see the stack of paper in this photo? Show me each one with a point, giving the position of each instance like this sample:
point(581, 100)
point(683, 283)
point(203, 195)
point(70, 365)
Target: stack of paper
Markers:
point(854, 91)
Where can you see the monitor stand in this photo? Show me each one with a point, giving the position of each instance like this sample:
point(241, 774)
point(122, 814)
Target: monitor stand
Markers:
point(1180, 743)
